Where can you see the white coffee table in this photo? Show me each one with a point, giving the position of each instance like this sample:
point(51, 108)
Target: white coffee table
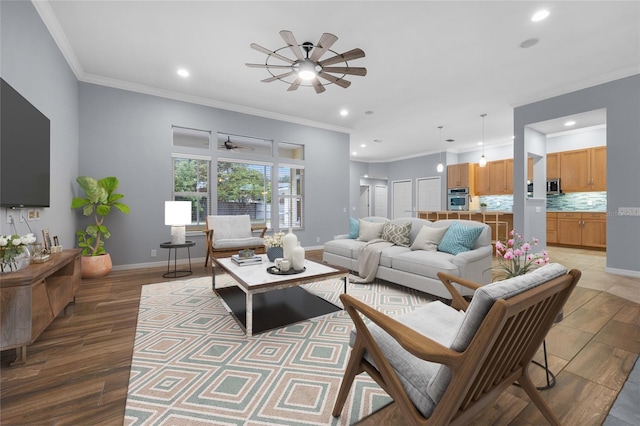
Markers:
point(255, 279)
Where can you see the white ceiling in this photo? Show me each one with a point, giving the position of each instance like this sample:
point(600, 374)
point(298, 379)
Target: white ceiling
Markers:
point(429, 63)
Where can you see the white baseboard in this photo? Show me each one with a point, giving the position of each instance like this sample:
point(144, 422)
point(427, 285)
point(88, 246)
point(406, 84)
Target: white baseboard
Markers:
point(625, 272)
point(157, 264)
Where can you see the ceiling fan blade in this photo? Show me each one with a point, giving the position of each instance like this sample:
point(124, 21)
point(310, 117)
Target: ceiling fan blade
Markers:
point(288, 38)
point(346, 70)
point(346, 56)
point(277, 77)
point(295, 85)
point(268, 66)
point(324, 44)
point(271, 53)
point(319, 88)
point(339, 81)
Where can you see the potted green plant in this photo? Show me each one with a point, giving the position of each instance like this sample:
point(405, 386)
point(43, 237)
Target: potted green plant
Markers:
point(100, 198)
point(483, 207)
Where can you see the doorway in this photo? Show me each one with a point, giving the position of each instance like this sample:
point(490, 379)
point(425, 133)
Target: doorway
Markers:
point(365, 200)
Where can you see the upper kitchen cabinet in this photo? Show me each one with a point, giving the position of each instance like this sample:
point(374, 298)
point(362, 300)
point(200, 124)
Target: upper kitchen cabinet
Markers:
point(553, 165)
point(482, 180)
point(460, 176)
point(583, 170)
point(496, 178)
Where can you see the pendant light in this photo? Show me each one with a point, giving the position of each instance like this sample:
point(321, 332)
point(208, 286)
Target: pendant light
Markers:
point(440, 167)
point(483, 159)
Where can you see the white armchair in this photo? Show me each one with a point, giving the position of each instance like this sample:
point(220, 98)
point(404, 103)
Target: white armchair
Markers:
point(226, 235)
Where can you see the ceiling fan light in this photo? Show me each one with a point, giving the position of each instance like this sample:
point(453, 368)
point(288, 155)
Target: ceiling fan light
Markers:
point(306, 70)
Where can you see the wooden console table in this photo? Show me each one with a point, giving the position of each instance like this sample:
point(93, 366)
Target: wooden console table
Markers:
point(31, 298)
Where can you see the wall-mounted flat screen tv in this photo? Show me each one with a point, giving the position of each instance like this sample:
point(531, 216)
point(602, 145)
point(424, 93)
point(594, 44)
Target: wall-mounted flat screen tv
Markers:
point(24, 151)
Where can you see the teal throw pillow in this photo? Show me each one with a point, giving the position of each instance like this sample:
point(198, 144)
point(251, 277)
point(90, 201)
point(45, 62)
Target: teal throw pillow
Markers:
point(354, 228)
point(459, 238)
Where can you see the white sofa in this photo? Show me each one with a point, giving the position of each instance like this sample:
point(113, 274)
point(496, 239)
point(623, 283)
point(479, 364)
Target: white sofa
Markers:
point(417, 269)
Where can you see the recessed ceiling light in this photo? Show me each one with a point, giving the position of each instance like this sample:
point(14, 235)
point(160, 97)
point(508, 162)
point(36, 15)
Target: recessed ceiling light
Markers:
point(364, 145)
point(183, 72)
point(529, 43)
point(570, 123)
point(344, 112)
point(480, 143)
point(354, 153)
point(540, 15)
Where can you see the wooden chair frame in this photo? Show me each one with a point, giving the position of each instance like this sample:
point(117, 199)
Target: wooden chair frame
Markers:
point(229, 251)
point(498, 355)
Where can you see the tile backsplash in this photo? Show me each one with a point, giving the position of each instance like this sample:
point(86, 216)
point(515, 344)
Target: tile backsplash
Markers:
point(573, 201)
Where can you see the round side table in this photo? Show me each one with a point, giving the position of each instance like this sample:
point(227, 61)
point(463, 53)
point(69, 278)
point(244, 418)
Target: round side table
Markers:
point(177, 273)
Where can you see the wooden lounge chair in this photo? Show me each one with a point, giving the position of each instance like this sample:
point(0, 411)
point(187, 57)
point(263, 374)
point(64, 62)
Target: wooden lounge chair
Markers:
point(226, 235)
point(445, 364)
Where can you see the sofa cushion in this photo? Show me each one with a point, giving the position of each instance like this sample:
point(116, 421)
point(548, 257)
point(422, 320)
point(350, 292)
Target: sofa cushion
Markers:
point(389, 253)
point(428, 238)
point(425, 263)
point(397, 234)
point(344, 247)
point(354, 228)
point(459, 238)
point(370, 230)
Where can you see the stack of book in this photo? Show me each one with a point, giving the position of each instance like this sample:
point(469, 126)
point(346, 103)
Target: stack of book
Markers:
point(246, 261)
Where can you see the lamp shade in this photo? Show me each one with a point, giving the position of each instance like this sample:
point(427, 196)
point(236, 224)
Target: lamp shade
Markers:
point(177, 212)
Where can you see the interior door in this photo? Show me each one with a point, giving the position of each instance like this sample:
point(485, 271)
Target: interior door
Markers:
point(429, 194)
point(380, 202)
point(401, 194)
point(365, 200)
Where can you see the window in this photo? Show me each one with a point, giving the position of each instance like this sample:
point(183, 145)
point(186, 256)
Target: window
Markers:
point(245, 188)
point(191, 183)
point(290, 196)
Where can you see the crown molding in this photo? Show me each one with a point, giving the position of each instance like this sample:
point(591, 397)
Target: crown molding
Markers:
point(579, 85)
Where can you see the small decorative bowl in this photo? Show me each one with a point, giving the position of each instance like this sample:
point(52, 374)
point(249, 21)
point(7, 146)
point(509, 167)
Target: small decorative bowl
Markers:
point(246, 253)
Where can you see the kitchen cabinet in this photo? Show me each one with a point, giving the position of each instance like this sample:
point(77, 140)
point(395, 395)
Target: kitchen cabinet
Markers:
point(553, 166)
point(460, 176)
point(552, 228)
point(594, 230)
point(582, 229)
point(494, 179)
point(482, 181)
point(584, 170)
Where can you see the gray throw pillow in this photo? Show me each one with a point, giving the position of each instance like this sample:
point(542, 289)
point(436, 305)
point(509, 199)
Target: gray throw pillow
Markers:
point(370, 230)
point(397, 234)
point(428, 238)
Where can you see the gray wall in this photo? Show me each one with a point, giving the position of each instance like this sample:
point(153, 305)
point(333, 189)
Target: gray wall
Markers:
point(128, 135)
point(31, 62)
point(411, 168)
point(622, 102)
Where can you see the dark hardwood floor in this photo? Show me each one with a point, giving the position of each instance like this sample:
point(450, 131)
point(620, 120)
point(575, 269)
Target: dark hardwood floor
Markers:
point(77, 371)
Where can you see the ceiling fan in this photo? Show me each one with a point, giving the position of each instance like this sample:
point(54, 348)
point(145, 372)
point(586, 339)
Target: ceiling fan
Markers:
point(228, 145)
point(307, 66)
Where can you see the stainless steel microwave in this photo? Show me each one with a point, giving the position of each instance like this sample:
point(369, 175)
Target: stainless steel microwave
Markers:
point(553, 186)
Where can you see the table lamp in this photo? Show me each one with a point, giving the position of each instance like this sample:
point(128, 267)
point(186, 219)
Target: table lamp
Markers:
point(177, 214)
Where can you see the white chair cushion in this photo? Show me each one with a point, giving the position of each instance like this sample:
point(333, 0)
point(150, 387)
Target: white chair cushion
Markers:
point(230, 227)
point(238, 243)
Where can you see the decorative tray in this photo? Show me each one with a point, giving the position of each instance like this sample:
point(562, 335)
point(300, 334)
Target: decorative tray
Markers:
point(275, 271)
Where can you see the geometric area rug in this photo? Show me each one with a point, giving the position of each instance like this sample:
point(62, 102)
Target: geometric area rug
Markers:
point(192, 364)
